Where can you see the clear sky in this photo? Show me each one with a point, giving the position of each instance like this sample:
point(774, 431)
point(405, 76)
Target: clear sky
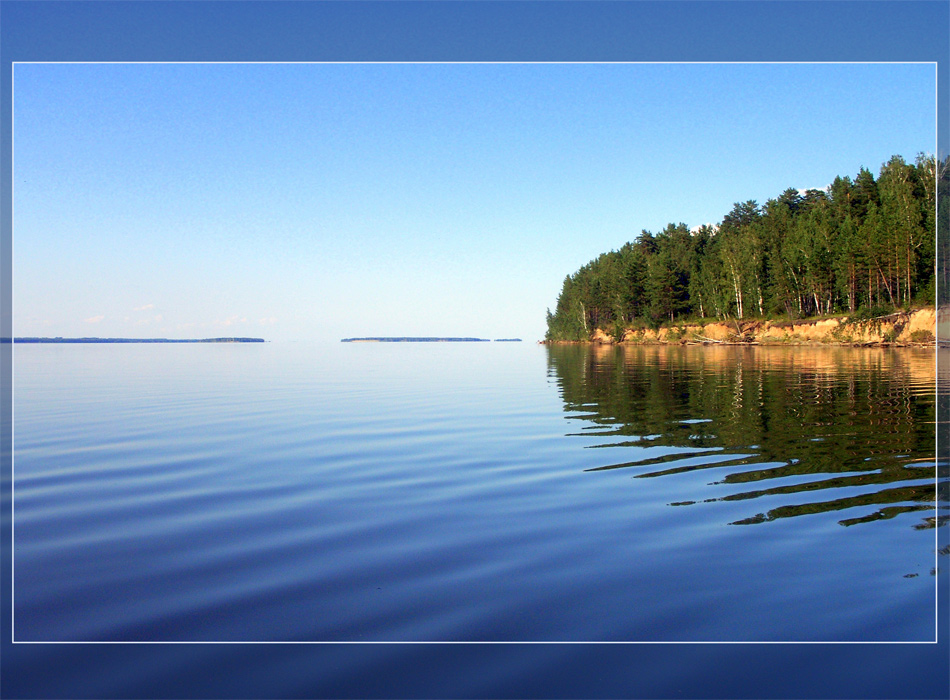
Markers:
point(322, 201)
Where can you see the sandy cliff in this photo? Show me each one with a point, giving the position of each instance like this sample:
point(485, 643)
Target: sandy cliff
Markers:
point(904, 328)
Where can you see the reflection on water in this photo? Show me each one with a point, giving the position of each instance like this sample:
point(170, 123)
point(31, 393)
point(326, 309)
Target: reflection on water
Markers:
point(826, 429)
point(389, 493)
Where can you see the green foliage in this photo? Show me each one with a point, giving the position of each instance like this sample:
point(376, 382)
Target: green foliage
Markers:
point(618, 330)
point(865, 248)
point(675, 334)
point(868, 312)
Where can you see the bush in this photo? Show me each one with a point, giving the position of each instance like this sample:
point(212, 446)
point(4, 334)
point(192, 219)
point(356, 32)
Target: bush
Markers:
point(868, 312)
point(618, 331)
point(922, 336)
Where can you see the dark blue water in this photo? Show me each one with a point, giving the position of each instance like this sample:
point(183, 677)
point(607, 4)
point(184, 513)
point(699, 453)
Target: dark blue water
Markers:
point(469, 493)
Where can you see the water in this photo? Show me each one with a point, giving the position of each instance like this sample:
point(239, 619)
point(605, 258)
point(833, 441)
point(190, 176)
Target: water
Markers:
point(473, 493)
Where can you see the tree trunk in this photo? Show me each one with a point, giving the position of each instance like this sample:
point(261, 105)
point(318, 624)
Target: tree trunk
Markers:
point(886, 285)
point(907, 285)
point(852, 288)
point(737, 289)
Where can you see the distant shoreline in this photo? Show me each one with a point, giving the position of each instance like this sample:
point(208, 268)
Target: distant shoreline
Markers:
point(414, 340)
point(131, 340)
point(409, 339)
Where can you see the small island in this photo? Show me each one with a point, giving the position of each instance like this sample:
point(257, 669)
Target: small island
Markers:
point(132, 340)
point(414, 340)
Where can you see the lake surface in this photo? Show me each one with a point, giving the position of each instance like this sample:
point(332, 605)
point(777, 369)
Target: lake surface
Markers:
point(488, 492)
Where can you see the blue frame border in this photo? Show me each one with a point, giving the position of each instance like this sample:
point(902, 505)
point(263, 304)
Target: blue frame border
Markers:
point(79, 30)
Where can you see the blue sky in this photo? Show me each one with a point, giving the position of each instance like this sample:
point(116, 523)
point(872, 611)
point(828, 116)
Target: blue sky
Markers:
point(322, 201)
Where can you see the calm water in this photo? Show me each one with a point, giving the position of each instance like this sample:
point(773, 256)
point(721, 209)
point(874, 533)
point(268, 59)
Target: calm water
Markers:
point(475, 492)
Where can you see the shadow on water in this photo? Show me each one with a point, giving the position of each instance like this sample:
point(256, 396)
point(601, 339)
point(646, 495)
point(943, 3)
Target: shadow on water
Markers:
point(825, 429)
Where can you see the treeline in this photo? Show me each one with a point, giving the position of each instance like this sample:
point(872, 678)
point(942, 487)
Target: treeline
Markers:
point(864, 246)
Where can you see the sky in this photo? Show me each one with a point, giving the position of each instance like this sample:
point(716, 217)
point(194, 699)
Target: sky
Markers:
point(321, 201)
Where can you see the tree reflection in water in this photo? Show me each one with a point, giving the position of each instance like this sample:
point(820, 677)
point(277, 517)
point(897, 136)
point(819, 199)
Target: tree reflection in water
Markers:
point(789, 422)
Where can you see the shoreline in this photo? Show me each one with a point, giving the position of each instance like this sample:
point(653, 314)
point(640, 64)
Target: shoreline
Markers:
point(58, 340)
point(901, 329)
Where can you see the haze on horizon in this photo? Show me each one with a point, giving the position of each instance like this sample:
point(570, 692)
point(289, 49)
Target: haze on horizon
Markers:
point(324, 201)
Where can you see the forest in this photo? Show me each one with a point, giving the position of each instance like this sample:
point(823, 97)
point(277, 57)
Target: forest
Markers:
point(863, 247)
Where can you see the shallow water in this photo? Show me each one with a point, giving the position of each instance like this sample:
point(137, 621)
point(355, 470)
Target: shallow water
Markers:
point(489, 492)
